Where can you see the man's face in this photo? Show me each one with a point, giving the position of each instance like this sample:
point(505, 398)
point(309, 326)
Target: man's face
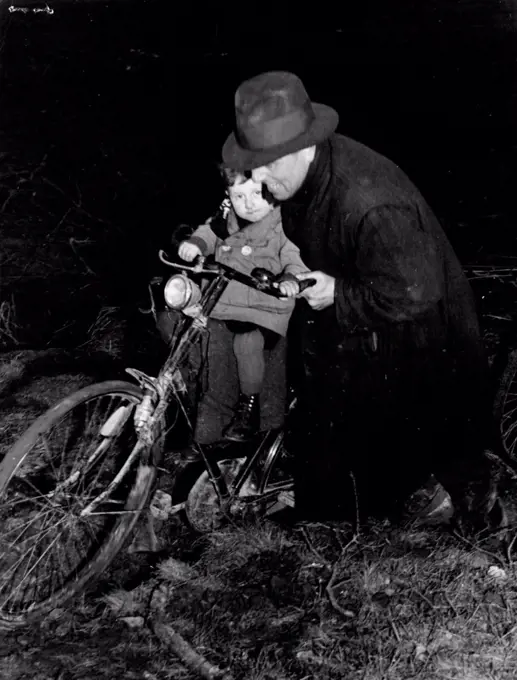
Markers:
point(248, 202)
point(285, 176)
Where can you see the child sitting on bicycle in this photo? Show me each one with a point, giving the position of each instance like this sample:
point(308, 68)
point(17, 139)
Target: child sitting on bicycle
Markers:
point(244, 234)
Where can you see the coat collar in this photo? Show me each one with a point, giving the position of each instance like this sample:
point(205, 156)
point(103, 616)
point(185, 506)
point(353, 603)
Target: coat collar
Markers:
point(317, 180)
point(299, 209)
point(253, 230)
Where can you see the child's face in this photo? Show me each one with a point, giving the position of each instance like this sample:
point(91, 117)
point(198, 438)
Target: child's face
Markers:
point(247, 201)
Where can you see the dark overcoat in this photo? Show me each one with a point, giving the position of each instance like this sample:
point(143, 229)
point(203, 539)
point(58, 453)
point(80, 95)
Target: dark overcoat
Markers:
point(393, 381)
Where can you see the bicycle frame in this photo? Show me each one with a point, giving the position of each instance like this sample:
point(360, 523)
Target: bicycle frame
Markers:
point(169, 383)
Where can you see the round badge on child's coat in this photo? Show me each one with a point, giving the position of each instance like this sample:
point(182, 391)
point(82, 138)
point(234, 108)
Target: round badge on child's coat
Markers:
point(246, 250)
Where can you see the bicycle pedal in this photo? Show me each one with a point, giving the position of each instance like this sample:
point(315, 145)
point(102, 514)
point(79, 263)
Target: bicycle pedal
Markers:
point(160, 505)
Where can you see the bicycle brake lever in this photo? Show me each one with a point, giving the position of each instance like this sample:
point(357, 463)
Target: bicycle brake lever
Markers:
point(163, 257)
point(197, 268)
point(200, 265)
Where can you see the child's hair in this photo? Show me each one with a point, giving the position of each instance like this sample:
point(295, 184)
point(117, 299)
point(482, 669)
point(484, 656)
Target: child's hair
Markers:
point(232, 177)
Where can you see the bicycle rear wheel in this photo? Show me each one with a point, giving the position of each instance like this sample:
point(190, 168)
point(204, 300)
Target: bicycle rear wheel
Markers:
point(276, 485)
point(505, 407)
point(50, 549)
point(268, 476)
point(277, 468)
point(202, 509)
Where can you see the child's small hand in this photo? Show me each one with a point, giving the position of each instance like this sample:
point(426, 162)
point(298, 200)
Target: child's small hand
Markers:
point(188, 251)
point(289, 288)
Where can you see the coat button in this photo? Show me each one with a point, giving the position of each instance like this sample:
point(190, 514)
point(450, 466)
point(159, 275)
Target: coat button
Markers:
point(226, 249)
point(246, 250)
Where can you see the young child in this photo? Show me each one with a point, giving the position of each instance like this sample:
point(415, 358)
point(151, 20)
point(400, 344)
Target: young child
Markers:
point(247, 233)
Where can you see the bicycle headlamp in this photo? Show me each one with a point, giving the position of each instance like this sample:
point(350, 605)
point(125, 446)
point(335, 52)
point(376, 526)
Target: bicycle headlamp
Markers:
point(180, 292)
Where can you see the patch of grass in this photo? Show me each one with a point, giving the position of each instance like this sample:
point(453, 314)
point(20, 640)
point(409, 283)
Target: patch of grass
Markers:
point(422, 605)
point(107, 332)
point(418, 603)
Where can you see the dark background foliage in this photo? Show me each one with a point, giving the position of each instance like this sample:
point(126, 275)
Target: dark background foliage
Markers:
point(127, 103)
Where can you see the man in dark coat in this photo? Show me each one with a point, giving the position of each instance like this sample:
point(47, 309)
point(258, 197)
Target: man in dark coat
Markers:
point(394, 372)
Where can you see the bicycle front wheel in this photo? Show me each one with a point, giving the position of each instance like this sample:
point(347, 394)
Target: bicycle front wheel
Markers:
point(59, 527)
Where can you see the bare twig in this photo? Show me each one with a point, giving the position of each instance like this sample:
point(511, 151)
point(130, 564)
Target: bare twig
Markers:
point(424, 598)
point(394, 628)
point(509, 549)
point(508, 633)
point(347, 613)
point(102, 322)
point(451, 604)
point(12, 193)
point(63, 218)
point(39, 167)
point(356, 500)
point(331, 585)
point(73, 241)
point(187, 654)
point(497, 558)
point(76, 203)
point(311, 546)
point(152, 308)
point(24, 180)
point(8, 324)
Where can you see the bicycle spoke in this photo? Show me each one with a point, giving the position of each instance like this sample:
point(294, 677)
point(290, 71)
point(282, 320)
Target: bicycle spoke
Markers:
point(76, 452)
point(25, 527)
point(48, 573)
point(13, 569)
point(509, 415)
point(40, 536)
point(29, 571)
point(22, 501)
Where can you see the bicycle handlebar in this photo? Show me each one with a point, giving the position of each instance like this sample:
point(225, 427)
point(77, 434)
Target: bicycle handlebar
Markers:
point(260, 279)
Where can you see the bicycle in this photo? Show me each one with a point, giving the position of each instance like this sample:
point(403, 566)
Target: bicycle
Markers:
point(66, 513)
point(504, 406)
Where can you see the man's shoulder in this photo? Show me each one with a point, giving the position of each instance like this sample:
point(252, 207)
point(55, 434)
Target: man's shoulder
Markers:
point(365, 178)
point(350, 156)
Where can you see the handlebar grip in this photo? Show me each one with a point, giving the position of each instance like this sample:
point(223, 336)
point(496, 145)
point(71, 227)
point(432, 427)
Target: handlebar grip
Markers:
point(306, 283)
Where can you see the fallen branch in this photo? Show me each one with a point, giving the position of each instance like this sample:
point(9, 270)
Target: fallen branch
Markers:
point(347, 613)
point(187, 654)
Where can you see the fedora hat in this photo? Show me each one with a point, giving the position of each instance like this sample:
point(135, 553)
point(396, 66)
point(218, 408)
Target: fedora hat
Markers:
point(274, 117)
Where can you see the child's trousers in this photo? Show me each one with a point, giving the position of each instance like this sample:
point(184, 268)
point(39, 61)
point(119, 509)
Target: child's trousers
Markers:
point(216, 405)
